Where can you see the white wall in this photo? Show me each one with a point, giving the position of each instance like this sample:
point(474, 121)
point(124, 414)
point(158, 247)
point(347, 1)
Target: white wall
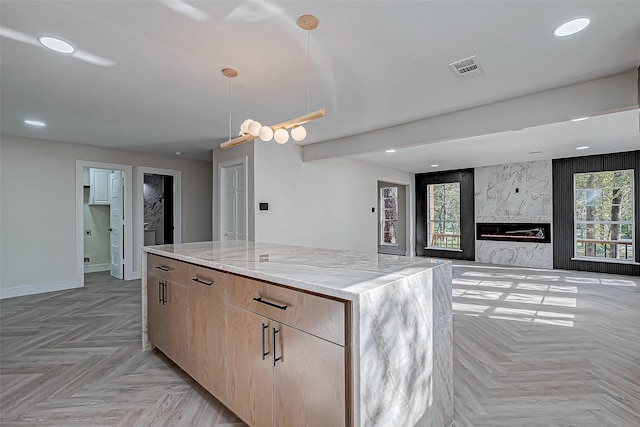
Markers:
point(38, 214)
point(321, 204)
point(496, 200)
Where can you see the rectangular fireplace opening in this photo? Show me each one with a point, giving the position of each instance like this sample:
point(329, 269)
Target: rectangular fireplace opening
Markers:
point(514, 232)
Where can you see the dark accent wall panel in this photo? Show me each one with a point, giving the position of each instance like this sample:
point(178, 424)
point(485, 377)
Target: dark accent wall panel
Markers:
point(467, 213)
point(563, 225)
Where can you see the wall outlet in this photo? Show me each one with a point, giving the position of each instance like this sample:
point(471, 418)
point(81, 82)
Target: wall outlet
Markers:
point(87, 232)
point(87, 260)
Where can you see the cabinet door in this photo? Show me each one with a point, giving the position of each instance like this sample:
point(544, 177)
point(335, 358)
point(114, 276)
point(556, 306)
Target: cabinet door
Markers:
point(209, 326)
point(309, 381)
point(250, 374)
point(156, 314)
point(179, 325)
point(99, 187)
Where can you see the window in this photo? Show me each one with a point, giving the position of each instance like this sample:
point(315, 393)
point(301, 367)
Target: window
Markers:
point(389, 216)
point(604, 226)
point(443, 231)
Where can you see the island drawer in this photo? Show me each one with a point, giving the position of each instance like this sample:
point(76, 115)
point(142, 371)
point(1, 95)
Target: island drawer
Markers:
point(166, 268)
point(320, 316)
point(205, 276)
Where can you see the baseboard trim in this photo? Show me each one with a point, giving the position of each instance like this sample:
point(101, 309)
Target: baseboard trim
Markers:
point(38, 288)
point(96, 267)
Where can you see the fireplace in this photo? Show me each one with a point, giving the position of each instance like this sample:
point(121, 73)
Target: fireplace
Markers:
point(514, 232)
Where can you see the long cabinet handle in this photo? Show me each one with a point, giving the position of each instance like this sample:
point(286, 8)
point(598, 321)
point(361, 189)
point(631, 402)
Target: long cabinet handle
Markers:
point(280, 307)
point(275, 359)
point(265, 353)
point(163, 268)
point(164, 293)
point(195, 279)
point(159, 291)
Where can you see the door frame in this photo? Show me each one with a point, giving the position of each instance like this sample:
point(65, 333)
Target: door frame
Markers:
point(127, 221)
point(177, 202)
point(244, 161)
point(407, 220)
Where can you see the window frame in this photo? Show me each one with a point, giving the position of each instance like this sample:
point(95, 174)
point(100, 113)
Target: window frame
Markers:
point(429, 220)
point(383, 209)
point(633, 242)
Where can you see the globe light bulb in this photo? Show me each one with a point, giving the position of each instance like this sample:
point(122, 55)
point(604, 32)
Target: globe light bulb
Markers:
point(254, 128)
point(244, 127)
point(298, 133)
point(281, 136)
point(266, 133)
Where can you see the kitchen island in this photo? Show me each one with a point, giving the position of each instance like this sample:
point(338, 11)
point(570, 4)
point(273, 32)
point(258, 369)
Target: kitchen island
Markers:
point(340, 338)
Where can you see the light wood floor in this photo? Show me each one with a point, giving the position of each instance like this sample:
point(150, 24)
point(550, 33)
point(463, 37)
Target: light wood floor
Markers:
point(531, 348)
point(545, 348)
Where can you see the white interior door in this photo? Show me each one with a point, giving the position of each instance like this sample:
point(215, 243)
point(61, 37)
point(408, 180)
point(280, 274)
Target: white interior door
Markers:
point(116, 224)
point(233, 210)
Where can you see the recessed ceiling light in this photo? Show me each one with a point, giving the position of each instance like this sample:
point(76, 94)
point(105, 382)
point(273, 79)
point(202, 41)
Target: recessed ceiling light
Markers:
point(390, 151)
point(36, 123)
point(178, 153)
point(535, 152)
point(434, 166)
point(571, 27)
point(57, 45)
point(582, 147)
point(579, 119)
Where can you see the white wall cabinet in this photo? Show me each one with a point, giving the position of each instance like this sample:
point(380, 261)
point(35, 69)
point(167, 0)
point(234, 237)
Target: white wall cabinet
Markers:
point(99, 187)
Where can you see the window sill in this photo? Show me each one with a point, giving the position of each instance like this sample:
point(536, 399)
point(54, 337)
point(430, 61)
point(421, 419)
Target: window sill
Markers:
point(429, 248)
point(607, 260)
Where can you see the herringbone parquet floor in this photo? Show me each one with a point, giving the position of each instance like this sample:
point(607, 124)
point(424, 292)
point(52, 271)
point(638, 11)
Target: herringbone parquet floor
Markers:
point(74, 358)
point(545, 348)
point(531, 348)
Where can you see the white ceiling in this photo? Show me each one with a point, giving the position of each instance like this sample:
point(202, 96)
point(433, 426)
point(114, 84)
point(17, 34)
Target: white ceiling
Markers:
point(373, 64)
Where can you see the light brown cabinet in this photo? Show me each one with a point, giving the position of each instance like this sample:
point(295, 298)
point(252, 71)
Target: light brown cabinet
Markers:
point(209, 329)
point(274, 355)
point(157, 313)
point(250, 373)
point(309, 380)
point(186, 319)
point(170, 319)
point(280, 375)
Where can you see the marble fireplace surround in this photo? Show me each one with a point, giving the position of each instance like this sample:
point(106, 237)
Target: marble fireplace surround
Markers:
point(517, 193)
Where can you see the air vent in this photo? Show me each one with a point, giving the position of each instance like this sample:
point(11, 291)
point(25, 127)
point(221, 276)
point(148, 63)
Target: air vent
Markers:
point(467, 68)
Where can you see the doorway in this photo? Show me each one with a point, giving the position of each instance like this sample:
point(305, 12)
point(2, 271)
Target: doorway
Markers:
point(160, 206)
point(104, 238)
point(233, 218)
point(103, 221)
point(158, 209)
point(392, 218)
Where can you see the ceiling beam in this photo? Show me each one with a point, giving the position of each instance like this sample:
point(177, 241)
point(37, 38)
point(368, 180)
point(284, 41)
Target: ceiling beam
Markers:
point(610, 94)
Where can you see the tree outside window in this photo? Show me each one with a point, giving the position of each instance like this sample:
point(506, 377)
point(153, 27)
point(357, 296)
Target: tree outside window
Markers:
point(604, 226)
point(389, 216)
point(443, 231)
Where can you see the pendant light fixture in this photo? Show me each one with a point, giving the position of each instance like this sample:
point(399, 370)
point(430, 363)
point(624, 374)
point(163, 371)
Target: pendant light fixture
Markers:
point(251, 129)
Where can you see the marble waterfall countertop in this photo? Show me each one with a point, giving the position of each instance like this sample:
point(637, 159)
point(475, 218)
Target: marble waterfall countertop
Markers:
point(402, 325)
point(338, 273)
